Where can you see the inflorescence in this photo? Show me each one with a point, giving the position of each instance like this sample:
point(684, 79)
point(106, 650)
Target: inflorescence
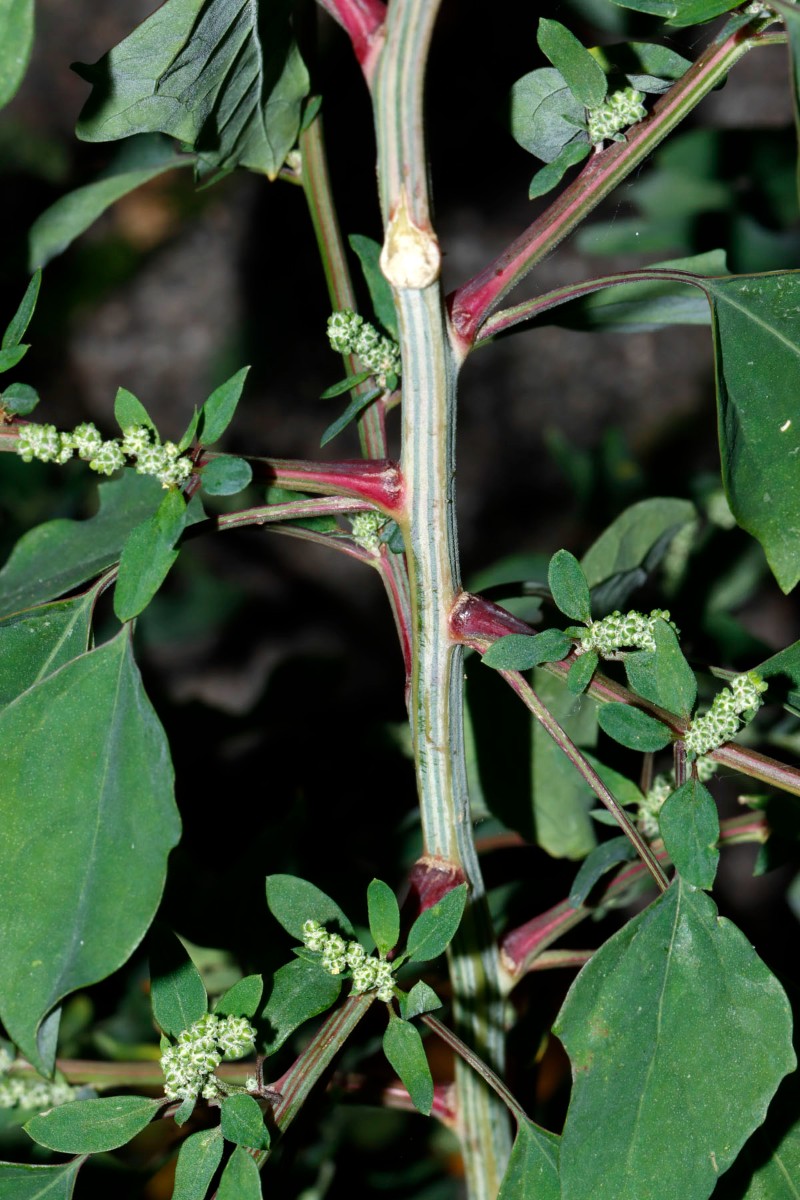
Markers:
point(189, 1065)
point(731, 708)
point(349, 333)
point(368, 973)
point(620, 110)
point(366, 529)
point(138, 443)
point(618, 631)
point(30, 1091)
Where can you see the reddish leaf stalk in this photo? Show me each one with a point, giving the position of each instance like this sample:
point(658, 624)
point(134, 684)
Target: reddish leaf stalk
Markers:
point(377, 480)
point(363, 22)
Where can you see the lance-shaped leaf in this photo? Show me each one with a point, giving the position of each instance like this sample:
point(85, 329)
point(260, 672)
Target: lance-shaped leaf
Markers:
point(553, 172)
point(199, 1157)
point(582, 73)
point(16, 40)
point(403, 1047)
point(88, 819)
point(689, 825)
point(633, 728)
point(240, 1179)
point(380, 293)
point(222, 76)
point(26, 1181)
point(655, 1068)
point(532, 1171)
point(300, 990)
point(220, 408)
point(434, 929)
point(243, 1123)
point(663, 675)
point(177, 993)
point(148, 556)
point(91, 1126)
point(36, 643)
point(19, 322)
point(521, 651)
point(384, 915)
point(242, 999)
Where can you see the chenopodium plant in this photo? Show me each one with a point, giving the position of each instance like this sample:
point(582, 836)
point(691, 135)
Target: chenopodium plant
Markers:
point(678, 1034)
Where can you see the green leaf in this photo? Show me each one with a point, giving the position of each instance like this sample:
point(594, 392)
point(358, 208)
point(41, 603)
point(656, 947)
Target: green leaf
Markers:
point(659, 8)
point(22, 317)
point(403, 1047)
point(532, 1171)
point(581, 672)
point(689, 824)
point(786, 664)
point(632, 546)
point(242, 999)
point(226, 475)
point(36, 643)
point(220, 408)
point(242, 1122)
point(568, 586)
point(435, 928)
point(300, 990)
point(647, 66)
point(293, 901)
point(384, 916)
point(369, 253)
point(582, 73)
point(354, 408)
point(791, 19)
point(520, 651)
point(545, 115)
point(633, 728)
point(561, 797)
point(13, 355)
point(663, 675)
point(177, 993)
point(24, 1181)
point(130, 411)
point(71, 215)
point(655, 1068)
point(185, 1110)
point(148, 556)
point(421, 999)
point(553, 172)
point(624, 790)
point(191, 431)
point(696, 12)
point(88, 819)
point(344, 385)
point(602, 859)
point(58, 555)
point(240, 1179)
point(92, 1126)
point(769, 1166)
point(16, 41)
point(757, 351)
point(20, 399)
point(198, 1159)
point(223, 76)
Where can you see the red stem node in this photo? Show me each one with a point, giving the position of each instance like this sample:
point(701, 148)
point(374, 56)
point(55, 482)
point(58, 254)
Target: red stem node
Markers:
point(363, 21)
point(376, 480)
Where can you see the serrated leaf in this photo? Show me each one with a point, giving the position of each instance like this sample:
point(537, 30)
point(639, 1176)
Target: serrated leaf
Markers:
point(16, 41)
point(15, 330)
point(242, 999)
point(545, 115)
point(633, 728)
point(128, 410)
point(300, 990)
point(663, 676)
point(242, 1122)
point(226, 475)
point(148, 556)
point(602, 859)
point(553, 172)
point(20, 399)
point(655, 1068)
point(222, 76)
point(421, 999)
point(220, 408)
point(532, 1171)
point(582, 73)
point(581, 672)
point(403, 1047)
point(568, 586)
point(689, 824)
point(36, 643)
point(354, 408)
point(85, 769)
point(436, 927)
point(292, 901)
point(92, 1126)
point(384, 916)
point(26, 1181)
point(369, 253)
point(240, 1179)
point(198, 1159)
point(521, 651)
point(177, 993)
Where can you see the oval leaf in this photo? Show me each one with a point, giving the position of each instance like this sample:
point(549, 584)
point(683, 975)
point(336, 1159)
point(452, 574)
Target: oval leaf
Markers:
point(655, 1068)
point(177, 993)
point(435, 928)
point(86, 771)
point(605, 856)
point(568, 586)
point(293, 901)
point(689, 824)
point(421, 999)
point(128, 410)
point(300, 990)
point(20, 399)
point(199, 1157)
point(242, 999)
point(242, 1122)
point(633, 728)
point(581, 672)
point(240, 1179)
point(403, 1047)
point(583, 74)
point(384, 916)
point(148, 556)
point(91, 1126)
point(545, 115)
point(521, 651)
point(663, 675)
point(226, 475)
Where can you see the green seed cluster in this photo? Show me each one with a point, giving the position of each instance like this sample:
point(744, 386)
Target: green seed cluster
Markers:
point(618, 631)
point(29, 1091)
point(47, 444)
point(734, 706)
point(620, 110)
point(366, 529)
point(348, 333)
point(662, 787)
point(368, 973)
point(189, 1065)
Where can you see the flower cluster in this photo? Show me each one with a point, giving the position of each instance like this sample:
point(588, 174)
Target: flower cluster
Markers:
point(366, 528)
point(189, 1065)
point(348, 333)
point(632, 630)
point(662, 787)
point(734, 706)
point(620, 110)
point(47, 444)
point(30, 1091)
point(368, 973)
